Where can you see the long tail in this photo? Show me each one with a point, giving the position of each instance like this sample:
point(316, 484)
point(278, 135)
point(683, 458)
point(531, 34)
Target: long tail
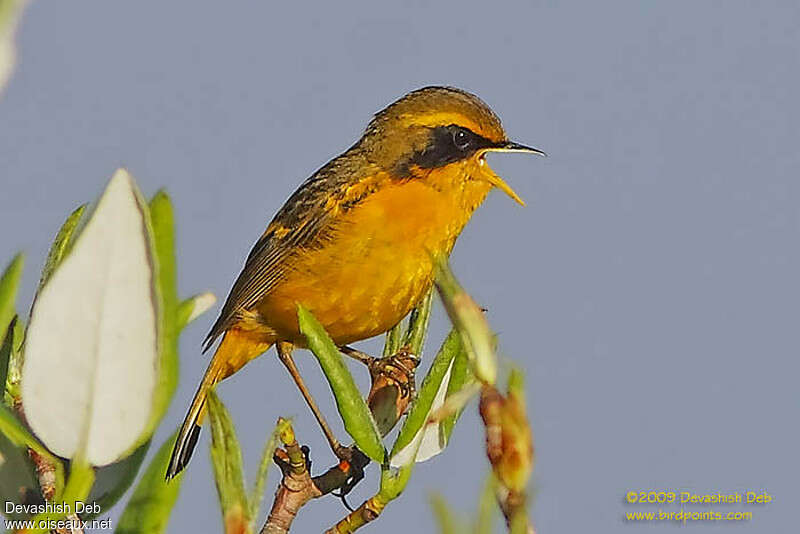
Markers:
point(235, 350)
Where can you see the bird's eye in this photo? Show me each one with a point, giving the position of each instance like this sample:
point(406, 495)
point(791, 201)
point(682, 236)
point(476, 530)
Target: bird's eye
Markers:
point(461, 139)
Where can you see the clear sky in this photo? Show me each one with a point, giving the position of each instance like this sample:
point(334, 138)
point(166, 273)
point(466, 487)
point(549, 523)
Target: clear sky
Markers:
point(649, 289)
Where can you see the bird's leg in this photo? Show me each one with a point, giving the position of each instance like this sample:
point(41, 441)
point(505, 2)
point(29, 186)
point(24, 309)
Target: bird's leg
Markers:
point(363, 357)
point(285, 355)
point(393, 387)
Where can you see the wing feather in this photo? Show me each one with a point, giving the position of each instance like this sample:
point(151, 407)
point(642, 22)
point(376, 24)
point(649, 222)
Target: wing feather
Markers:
point(306, 221)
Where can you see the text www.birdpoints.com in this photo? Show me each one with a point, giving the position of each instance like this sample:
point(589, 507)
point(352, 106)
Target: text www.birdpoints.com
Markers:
point(687, 500)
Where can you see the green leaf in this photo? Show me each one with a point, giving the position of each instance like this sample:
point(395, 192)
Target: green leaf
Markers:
point(148, 511)
point(193, 307)
point(394, 339)
point(519, 523)
point(14, 336)
point(487, 507)
point(459, 377)
point(516, 384)
point(393, 482)
point(446, 519)
point(226, 458)
point(15, 431)
point(112, 481)
point(161, 220)
point(405, 448)
point(272, 443)
point(418, 324)
point(412, 335)
point(468, 319)
point(58, 250)
point(6, 348)
point(61, 244)
point(9, 282)
point(357, 418)
point(18, 482)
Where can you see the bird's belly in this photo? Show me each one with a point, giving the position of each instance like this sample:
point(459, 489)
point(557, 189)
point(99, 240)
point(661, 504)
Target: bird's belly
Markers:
point(373, 271)
point(353, 300)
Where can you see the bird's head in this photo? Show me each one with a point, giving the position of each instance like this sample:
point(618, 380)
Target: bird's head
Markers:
point(438, 128)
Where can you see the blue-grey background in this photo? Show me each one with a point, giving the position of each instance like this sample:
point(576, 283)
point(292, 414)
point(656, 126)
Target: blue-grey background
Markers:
point(650, 288)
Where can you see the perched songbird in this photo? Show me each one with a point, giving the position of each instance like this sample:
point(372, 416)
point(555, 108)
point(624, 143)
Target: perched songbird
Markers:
point(355, 244)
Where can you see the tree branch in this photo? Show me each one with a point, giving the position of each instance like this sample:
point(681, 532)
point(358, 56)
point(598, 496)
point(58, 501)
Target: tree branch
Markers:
point(298, 487)
point(392, 485)
point(393, 387)
point(46, 476)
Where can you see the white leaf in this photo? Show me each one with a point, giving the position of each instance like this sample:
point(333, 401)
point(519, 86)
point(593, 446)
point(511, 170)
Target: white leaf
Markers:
point(91, 355)
point(428, 442)
point(201, 304)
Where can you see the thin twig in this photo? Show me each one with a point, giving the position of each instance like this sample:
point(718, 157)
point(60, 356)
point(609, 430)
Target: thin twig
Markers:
point(393, 388)
point(392, 485)
point(297, 486)
point(46, 476)
point(369, 511)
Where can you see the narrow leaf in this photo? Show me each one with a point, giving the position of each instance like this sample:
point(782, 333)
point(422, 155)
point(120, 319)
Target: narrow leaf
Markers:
point(161, 224)
point(393, 340)
point(226, 458)
point(113, 480)
point(393, 482)
point(6, 348)
point(193, 307)
point(15, 431)
point(355, 414)
point(61, 244)
point(445, 517)
point(468, 319)
point(455, 403)
point(89, 378)
point(148, 511)
point(407, 447)
point(9, 282)
point(459, 378)
point(272, 443)
point(18, 482)
point(487, 507)
point(418, 324)
point(14, 336)
point(516, 384)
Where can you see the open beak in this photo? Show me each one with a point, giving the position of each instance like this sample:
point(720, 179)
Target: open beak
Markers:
point(494, 179)
point(510, 146)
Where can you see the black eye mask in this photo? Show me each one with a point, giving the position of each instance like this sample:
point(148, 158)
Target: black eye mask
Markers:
point(448, 144)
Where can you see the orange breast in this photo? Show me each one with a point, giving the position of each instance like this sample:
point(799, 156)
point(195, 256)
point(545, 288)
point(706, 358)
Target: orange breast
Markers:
point(378, 264)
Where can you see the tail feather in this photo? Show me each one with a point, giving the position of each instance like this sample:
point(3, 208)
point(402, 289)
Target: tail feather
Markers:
point(236, 349)
point(182, 452)
point(190, 429)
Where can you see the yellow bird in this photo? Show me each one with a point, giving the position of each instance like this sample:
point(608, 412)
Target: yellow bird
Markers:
point(355, 243)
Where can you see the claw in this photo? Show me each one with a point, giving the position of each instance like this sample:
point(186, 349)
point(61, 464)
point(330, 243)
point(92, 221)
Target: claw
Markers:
point(343, 497)
point(307, 456)
point(393, 387)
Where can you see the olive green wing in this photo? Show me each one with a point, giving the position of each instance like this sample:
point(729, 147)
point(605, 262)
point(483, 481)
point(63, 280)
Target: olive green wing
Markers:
point(306, 221)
